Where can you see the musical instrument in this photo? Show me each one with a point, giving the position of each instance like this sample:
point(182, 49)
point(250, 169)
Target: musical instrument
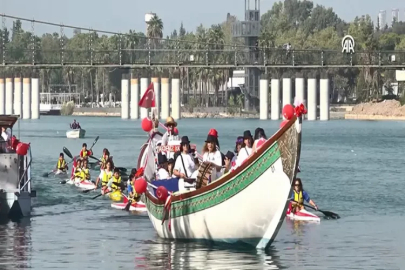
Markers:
point(204, 174)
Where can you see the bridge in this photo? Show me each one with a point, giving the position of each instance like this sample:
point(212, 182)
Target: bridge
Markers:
point(133, 52)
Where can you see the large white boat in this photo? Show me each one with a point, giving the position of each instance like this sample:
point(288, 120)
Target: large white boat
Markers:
point(15, 178)
point(75, 133)
point(223, 210)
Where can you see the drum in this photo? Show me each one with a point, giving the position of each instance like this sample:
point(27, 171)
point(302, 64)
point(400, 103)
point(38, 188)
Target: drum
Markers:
point(204, 174)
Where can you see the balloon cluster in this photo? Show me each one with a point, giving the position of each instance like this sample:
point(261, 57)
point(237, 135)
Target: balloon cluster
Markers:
point(289, 111)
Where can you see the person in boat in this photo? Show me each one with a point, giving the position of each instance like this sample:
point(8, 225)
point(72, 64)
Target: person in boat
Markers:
point(5, 134)
point(84, 153)
point(213, 155)
point(246, 148)
point(132, 195)
point(104, 158)
point(105, 175)
point(115, 181)
point(259, 139)
point(238, 146)
point(185, 165)
point(229, 156)
point(85, 173)
point(162, 173)
point(78, 169)
point(61, 165)
point(213, 132)
point(298, 196)
point(170, 166)
point(170, 125)
point(75, 125)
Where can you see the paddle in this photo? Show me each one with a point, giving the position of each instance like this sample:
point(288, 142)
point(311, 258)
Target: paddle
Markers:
point(327, 214)
point(100, 195)
point(95, 141)
point(48, 173)
point(128, 205)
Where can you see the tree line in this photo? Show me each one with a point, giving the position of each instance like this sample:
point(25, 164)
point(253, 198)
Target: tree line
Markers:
point(301, 23)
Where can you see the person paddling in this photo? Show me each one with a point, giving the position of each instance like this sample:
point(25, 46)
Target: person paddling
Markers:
point(115, 181)
point(105, 176)
point(78, 170)
point(85, 173)
point(84, 153)
point(61, 165)
point(298, 196)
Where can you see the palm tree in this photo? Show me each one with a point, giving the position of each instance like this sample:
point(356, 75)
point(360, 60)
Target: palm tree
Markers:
point(155, 29)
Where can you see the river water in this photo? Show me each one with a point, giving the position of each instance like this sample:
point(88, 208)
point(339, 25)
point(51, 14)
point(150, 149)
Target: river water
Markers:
point(352, 168)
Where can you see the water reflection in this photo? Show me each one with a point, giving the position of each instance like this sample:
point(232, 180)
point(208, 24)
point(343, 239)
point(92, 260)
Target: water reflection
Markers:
point(191, 255)
point(15, 244)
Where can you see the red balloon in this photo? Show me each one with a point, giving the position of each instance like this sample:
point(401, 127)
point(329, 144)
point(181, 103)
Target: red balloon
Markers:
point(283, 123)
point(213, 132)
point(162, 193)
point(140, 185)
point(22, 148)
point(147, 124)
point(176, 131)
point(288, 111)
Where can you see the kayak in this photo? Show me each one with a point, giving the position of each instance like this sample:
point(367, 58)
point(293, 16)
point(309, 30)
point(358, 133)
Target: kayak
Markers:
point(136, 206)
point(86, 184)
point(302, 215)
point(115, 196)
point(73, 181)
point(60, 173)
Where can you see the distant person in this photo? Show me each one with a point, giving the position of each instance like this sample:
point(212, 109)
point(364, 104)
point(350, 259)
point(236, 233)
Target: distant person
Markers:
point(5, 134)
point(75, 125)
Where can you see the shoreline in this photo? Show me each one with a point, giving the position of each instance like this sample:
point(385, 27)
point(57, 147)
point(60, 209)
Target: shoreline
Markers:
point(373, 117)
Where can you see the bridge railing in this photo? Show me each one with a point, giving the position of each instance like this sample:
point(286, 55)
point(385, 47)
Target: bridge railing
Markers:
point(198, 57)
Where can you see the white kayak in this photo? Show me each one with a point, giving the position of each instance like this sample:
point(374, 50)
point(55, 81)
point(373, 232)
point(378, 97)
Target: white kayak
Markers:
point(137, 206)
point(86, 184)
point(60, 173)
point(303, 215)
point(75, 133)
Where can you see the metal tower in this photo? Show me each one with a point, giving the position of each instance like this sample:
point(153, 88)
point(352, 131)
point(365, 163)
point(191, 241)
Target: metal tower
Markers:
point(249, 29)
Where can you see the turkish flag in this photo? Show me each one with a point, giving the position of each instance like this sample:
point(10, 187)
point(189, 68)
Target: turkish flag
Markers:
point(148, 99)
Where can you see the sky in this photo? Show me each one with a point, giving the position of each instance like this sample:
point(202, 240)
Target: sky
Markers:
point(122, 15)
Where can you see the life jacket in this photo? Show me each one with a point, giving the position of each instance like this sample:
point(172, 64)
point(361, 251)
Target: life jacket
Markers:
point(116, 182)
point(78, 172)
point(85, 153)
point(298, 197)
point(85, 174)
point(106, 178)
point(61, 164)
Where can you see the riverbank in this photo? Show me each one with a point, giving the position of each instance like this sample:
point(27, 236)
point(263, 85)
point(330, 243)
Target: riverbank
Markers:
point(221, 113)
point(385, 110)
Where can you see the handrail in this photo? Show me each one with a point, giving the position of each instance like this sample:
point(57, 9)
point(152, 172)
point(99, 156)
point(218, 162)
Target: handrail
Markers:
point(26, 170)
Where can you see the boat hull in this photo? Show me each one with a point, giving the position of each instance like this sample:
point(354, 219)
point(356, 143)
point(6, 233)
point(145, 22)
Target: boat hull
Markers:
point(222, 211)
point(15, 206)
point(75, 134)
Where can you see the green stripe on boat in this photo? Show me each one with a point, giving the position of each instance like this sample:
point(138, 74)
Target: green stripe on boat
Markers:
point(222, 193)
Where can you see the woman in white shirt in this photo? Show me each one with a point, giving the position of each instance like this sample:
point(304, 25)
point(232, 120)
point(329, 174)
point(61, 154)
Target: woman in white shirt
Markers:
point(185, 165)
point(246, 148)
point(213, 155)
point(162, 173)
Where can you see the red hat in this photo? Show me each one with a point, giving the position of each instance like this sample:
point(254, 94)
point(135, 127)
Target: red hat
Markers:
point(213, 132)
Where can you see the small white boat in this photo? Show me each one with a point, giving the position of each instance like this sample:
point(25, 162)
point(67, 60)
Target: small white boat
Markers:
point(75, 133)
point(302, 215)
point(137, 206)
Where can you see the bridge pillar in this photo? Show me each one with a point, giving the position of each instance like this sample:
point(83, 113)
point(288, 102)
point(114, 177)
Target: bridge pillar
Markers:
point(144, 86)
point(165, 111)
point(2, 97)
point(299, 90)
point(286, 91)
point(134, 98)
point(176, 107)
point(324, 100)
point(35, 101)
point(264, 99)
point(124, 99)
point(9, 96)
point(17, 102)
point(156, 87)
point(26, 98)
point(275, 99)
point(312, 102)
